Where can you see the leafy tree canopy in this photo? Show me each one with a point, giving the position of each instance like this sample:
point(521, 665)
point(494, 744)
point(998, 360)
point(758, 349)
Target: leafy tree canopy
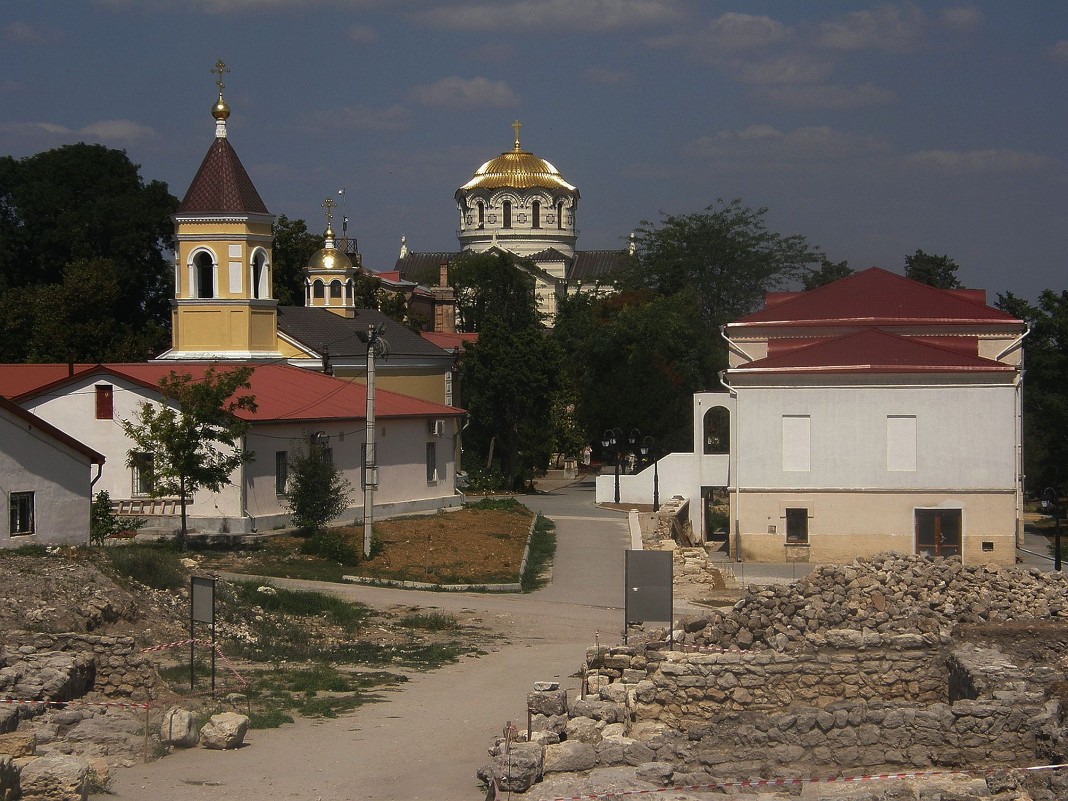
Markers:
point(936, 271)
point(291, 249)
point(493, 285)
point(510, 379)
point(1045, 391)
point(316, 492)
point(635, 360)
point(193, 435)
point(87, 202)
point(725, 255)
point(828, 272)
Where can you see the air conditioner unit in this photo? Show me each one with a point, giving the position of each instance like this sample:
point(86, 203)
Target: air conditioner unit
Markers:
point(437, 428)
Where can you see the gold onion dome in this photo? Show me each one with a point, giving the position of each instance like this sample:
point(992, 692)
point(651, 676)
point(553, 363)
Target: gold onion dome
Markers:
point(329, 257)
point(517, 169)
point(221, 110)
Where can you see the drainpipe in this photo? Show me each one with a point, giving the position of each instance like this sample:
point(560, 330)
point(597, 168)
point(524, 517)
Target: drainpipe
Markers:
point(1018, 433)
point(734, 466)
point(731, 345)
point(96, 478)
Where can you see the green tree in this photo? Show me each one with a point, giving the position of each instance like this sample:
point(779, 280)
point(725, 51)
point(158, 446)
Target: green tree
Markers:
point(635, 359)
point(104, 523)
point(936, 271)
point(193, 435)
point(510, 378)
point(291, 249)
point(1045, 390)
point(88, 202)
point(725, 255)
point(78, 318)
point(828, 272)
point(492, 285)
point(316, 492)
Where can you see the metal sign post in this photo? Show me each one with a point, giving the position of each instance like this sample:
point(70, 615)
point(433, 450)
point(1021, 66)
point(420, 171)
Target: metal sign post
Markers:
point(648, 592)
point(201, 610)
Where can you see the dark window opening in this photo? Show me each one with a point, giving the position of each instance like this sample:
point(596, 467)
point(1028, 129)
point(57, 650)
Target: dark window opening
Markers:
point(797, 526)
point(317, 289)
point(560, 215)
point(205, 275)
point(335, 289)
point(431, 462)
point(281, 472)
point(21, 514)
point(717, 437)
point(257, 274)
point(938, 532)
point(535, 214)
point(143, 466)
point(507, 214)
point(481, 215)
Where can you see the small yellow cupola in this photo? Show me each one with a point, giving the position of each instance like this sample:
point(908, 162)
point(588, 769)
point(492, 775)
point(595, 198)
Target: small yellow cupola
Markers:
point(222, 306)
point(329, 281)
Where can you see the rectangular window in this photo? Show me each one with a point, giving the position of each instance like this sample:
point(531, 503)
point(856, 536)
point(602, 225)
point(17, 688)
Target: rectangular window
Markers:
point(328, 456)
point(901, 443)
point(281, 472)
point(448, 388)
point(431, 462)
point(105, 402)
point(143, 466)
point(797, 526)
point(796, 442)
point(21, 514)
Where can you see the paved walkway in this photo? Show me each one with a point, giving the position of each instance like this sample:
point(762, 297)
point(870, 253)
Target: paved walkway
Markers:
point(429, 738)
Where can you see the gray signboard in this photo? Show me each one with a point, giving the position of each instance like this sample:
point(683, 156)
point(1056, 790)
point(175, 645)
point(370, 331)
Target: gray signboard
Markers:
point(648, 598)
point(203, 600)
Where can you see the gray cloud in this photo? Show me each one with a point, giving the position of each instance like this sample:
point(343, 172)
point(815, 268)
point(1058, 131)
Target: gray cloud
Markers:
point(888, 27)
point(454, 92)
point(824, 96)
point(18, 32)
point(520, 15)
point(978, 161)
point(104, 131)
point(361, 118)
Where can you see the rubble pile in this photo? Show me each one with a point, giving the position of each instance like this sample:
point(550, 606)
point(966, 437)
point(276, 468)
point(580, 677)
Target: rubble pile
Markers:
point(888, 594)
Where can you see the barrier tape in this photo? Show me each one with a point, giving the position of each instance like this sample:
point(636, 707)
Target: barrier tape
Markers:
point(207, 643)
point(495, 788)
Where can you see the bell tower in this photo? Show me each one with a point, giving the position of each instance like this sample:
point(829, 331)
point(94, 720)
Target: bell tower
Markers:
point(222, 306)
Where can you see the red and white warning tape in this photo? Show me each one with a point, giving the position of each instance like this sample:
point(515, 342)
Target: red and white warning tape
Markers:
point(207, 643)
point(495, 789)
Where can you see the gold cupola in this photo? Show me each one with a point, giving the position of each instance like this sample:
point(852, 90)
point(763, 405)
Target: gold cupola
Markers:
point(329, 277)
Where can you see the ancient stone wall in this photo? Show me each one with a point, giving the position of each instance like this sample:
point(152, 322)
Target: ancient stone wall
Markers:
point(116, 666)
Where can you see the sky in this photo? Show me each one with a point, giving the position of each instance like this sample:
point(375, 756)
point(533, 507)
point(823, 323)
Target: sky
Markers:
point(873, 129)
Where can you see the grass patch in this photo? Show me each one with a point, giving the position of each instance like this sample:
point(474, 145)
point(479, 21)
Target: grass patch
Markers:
point(155, 566)
point(542, 550)
point(498, 504)
point(318, 689)
point(303, 603)
point(269, 718)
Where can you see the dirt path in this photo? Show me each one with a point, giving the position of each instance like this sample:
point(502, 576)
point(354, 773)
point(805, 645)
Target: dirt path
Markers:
point(429, 738)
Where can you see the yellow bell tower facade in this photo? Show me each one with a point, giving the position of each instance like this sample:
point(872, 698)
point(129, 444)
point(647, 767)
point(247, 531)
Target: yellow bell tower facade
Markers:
point(222, 306)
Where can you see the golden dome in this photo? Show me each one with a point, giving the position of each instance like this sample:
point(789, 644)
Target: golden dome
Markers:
point(517, 169)
point(329, 257)
point(220, 110)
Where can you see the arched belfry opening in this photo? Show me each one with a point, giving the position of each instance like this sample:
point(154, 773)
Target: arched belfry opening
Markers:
point(717, 430)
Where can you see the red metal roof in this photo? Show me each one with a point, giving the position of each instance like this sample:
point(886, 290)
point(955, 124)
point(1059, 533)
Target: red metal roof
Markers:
point(283, 393)
point(874, 297)
point(18, 379)
point(221, 185)
point(447, 341)
point(873, 350)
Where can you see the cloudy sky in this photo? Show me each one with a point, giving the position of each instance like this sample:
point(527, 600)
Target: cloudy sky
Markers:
point(871, 128)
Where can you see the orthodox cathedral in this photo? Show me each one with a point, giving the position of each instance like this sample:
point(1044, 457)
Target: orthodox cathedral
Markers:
point(520, 204)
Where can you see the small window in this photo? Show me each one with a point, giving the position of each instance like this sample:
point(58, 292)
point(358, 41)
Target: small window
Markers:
point(535, 214)
point(258, 284)
point(281, 472)
point(328, 456)
point(717, 430)
point(317, 289)
point(481, 214)
point(507, 214)
point(448, 388)
point(797, 526)
point(143, 466)
point(560, 215)
point(105, 406)
point(431, 462)
point(335, 289)
point(21, 514)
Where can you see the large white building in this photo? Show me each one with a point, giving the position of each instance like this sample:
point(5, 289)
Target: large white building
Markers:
point(875, 413)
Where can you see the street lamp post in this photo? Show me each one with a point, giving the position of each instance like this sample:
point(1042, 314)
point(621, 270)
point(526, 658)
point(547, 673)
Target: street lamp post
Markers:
point(1049, 503)
point(609, 442)
point(648, 449)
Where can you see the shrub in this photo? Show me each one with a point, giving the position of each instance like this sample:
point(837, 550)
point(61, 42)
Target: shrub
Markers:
point(333, 545)
point(317, 492)
point(104, 523)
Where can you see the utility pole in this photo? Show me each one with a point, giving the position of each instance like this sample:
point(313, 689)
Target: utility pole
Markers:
point(370, 473)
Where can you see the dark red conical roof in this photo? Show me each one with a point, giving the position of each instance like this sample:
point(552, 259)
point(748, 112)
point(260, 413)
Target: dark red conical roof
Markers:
point(221, 185)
